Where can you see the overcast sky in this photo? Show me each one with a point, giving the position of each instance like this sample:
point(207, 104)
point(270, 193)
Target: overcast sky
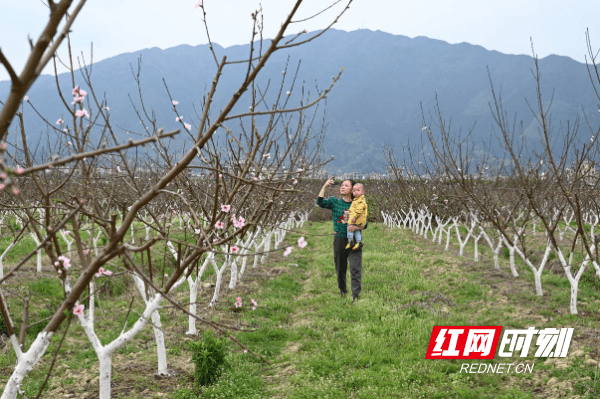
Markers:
point(119, 26)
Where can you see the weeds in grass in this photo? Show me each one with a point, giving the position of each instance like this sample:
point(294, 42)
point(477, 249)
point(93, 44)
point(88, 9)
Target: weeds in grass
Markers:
point(209, 358)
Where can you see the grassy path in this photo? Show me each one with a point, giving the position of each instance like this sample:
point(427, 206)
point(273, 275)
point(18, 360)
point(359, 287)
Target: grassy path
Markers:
point(325, 346)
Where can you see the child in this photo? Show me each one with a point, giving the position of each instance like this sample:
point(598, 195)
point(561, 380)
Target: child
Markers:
point(357, 217)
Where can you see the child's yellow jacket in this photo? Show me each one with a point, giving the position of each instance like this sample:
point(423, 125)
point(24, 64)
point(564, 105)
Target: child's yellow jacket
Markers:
point(358, 210)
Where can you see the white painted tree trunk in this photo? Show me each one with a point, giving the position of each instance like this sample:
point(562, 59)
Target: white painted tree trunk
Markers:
point(537, 272)
point(442, 228)
point(38, 253)
point(193, 285)
point(159, 337)
point(2, 258)
point(67, 241)
point(511, 255)
point(95, 242)
point(449, 232)
point(573, 280)
point(219, 273)
point(266, 245)
point(104, 352)
point(496, 249)
point(460, 241)
point(475, 249)
point(25, 362)
point(233, 273)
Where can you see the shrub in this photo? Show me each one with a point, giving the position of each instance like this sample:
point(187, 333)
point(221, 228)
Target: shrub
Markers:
point(208, 356)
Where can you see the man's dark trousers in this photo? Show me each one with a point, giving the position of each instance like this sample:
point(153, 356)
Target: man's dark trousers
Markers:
point(341, 256)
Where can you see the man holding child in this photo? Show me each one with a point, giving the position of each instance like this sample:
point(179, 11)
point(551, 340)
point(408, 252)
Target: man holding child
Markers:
point(345, 224)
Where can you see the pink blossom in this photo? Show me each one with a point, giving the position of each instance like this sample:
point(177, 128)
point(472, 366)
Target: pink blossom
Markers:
point(16, 191)
point(3, 175)
point(295, 181)
point(198, 4)
point(78, 310)
point(245, 351)
point(20, 170)
point(234, 249)
point(280, 202)
point(268, 156)
point(81, 112)
point(82, 93)
point(305, 31)
point(302, 243)
point(251, 108)
point(60, 121)
point(242, 220)
point(300, 170)
point(225, 208)
point(100, 271)
point(26, 98)
point(254, 303)
point(187, 126)
point(175, 102)
point(287, 251)
point(118, 169)
point(75, 90)
point(255, 179)
point(2, 186)
point(3, 146)
point(65, 261)
point(220, 175)
point(86, 251)
point(197, 231)
point(178, 119)
point(288, 93)
point(107, 273)
point(219, 225)
point(57, 264)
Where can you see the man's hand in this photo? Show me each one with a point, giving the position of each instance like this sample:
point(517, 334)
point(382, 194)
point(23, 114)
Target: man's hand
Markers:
point(329, 182)
point(353, 220)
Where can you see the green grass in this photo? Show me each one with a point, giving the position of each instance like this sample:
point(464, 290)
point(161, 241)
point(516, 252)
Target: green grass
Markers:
point(324, 346)
point(376, 347)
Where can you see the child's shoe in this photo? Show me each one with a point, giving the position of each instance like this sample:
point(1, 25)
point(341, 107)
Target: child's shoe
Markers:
point(357, 246)
point(350, 244)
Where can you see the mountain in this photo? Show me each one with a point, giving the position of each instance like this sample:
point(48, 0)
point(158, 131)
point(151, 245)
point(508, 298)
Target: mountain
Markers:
point(378, 100)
